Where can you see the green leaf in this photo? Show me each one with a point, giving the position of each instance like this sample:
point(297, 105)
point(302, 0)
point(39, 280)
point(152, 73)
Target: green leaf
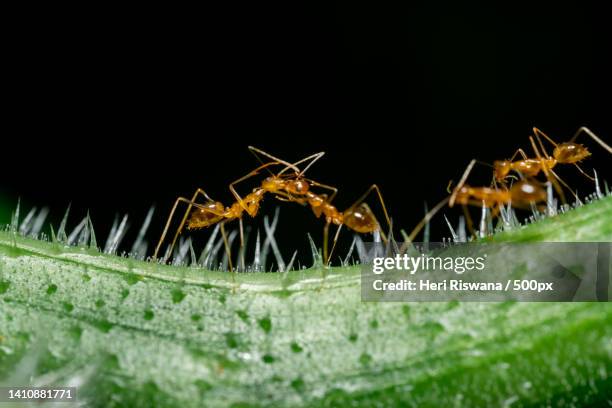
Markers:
point(143, 334)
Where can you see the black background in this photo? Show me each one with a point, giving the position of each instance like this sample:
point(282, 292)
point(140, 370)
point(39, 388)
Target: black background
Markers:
point(115, 110)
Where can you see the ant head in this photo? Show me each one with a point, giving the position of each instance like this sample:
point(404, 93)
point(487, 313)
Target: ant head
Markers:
point(360, 219)
point(528, 191)
point(272, 184)
point(570, 152)
point(501, 169)
point(298, 187)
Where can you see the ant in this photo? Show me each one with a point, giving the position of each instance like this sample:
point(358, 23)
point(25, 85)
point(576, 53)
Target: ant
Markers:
point(563, 153)
point(521, 194)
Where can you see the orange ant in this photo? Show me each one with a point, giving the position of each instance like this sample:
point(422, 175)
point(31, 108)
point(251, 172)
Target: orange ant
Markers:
point(521, 194)
point(563, 153)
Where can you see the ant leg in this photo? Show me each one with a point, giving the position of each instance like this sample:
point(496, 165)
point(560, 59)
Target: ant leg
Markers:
point(496, 210)
point(326, 257)
point(537, 133)
point(334, 244)
point(227, 248)
point(325, 186)
point(241, 261)
point(191, 203)
point(163, 236)
point(325, 239)
point(584, 172)
point(546, 170)
point(519, 151)
point(464, 177)
point(195, 195)
point(286, 197)
point(426, 219)
point(314, 157)
point(563, 183)
point(593, 136)
point(382, 202)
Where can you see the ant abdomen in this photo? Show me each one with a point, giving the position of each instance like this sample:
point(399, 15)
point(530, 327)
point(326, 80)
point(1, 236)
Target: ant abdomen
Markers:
point(208, 214)
point(527, 191)
point(360, 219)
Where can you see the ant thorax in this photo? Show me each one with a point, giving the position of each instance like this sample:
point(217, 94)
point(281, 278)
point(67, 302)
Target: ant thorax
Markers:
point(571, 153)
point(528, 167)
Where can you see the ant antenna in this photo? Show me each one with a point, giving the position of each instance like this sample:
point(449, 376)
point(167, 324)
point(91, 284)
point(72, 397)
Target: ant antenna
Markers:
point(257, 151)
point(593, 136)
point(485, 163)
point(316, 157)
point(313, 157)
